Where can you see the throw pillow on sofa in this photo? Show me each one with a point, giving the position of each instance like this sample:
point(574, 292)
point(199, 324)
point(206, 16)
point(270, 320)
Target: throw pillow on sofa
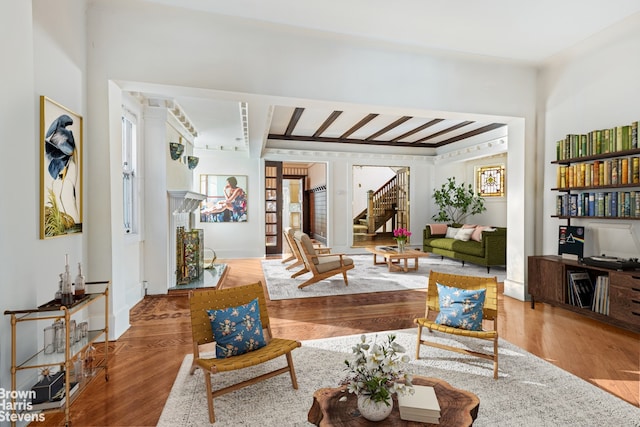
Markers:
point(451, 232)
point(438, 229)
point(464, 234)
point(477, 233)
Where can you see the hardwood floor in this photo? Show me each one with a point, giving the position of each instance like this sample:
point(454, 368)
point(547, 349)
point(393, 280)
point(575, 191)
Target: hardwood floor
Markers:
point(145, 359)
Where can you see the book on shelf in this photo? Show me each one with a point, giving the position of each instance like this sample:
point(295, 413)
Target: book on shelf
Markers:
point(57, 400)
point(421, 406)
point(582, 288)
point(573, 204)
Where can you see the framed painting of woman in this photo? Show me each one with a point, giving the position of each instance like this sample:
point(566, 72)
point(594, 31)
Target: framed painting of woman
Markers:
point(226, 198)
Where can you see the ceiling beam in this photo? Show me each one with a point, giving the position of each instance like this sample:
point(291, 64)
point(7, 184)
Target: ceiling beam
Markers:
point(339, 140)
point(358, 125)
point(447, 130)
point(469, 134)
point(386, 129)
point(418, 129)
point(297, 113)
point(332, 118)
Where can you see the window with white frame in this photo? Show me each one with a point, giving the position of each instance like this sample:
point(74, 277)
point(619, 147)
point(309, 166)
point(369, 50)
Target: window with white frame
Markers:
point(129, 181)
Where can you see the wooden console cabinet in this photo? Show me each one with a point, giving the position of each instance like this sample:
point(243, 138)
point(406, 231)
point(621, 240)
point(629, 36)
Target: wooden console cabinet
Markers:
point(547, 280)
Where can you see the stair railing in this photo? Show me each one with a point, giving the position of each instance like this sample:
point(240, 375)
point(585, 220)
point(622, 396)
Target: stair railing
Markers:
point(381, 201)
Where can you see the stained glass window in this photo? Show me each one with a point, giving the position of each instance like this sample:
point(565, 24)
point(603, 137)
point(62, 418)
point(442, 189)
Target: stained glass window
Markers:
point(490, 181)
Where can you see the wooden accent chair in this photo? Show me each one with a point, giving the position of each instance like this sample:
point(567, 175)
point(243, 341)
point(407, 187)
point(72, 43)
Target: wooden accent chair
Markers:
point(321, 266)
point(202, 300)
point(287, 233)
point(295, 252)
point(489, 313)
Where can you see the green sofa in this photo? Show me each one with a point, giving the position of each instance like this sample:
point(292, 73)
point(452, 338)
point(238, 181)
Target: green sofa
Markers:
point(490, 251)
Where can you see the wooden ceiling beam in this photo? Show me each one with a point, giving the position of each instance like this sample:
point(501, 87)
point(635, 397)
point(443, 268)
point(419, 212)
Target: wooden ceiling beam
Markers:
point(447, 130)
point(332, 118)
point(338, 140)
point(297, 113)
point(469, 134)
point(387, 128)
point(418, 129)
point(358, 125)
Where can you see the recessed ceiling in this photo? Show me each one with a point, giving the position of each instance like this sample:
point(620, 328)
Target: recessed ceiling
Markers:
point(370, 129)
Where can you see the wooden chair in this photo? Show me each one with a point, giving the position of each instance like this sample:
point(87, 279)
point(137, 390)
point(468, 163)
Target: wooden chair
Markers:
point(288, 237)
point(202, 300)
point(295, 252)
point(489, 313)
point(321, 266)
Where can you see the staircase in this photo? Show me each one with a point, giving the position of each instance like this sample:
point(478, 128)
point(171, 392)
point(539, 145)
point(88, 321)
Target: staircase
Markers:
point(381, 208)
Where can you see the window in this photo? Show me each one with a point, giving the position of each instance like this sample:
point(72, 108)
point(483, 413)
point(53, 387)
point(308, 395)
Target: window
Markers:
point(490, 181)
point(129, 181)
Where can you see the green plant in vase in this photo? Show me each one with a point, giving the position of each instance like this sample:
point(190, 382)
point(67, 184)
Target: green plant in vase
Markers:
point(456, 202)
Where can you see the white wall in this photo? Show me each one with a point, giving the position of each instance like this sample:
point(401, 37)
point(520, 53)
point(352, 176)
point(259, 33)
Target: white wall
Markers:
point(227, 54)
point(234, 239)
point(464, 172)
point(75, 58)
point(47, 57)
point(317, 175)
point(55, 52)
point(496, 213)
point(596, 87)
point(19, 226)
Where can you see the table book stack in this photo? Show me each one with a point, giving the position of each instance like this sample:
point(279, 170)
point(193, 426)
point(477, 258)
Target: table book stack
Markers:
point(421, 406)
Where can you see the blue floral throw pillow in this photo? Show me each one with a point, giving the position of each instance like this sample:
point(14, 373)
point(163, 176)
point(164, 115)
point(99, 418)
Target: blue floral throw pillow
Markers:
point(237, 330)
point(460, 308)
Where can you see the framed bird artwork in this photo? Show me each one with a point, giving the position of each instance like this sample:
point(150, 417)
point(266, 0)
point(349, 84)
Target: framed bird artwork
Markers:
point(60, 170)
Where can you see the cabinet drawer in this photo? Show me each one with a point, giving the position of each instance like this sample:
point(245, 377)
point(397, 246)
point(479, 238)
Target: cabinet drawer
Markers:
point(629, 281)
point(625, 304)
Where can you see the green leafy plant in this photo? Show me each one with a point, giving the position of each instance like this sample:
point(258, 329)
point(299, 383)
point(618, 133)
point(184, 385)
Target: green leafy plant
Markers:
point(456, 202)
point(375, 370)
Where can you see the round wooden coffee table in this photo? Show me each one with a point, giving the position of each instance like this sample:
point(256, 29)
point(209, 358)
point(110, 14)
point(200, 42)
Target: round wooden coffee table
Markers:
point(337, 407)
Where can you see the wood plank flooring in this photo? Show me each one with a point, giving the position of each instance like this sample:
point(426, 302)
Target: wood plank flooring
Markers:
point(145, 359)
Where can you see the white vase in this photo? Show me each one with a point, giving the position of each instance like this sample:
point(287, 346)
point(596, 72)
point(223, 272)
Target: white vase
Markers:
point(401, 244)
point(374, 411)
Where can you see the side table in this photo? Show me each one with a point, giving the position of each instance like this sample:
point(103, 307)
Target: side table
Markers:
point(336, 407)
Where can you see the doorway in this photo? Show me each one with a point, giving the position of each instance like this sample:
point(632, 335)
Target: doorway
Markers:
point(380, 203)
point(293, 209)
point(295, 196)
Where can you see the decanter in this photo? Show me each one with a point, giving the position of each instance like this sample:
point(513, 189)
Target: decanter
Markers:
point(79, 282)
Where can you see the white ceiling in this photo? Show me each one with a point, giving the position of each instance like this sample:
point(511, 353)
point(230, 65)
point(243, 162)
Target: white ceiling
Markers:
point(525, 31)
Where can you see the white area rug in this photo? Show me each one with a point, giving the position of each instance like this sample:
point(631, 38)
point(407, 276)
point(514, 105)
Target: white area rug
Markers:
point(365, 277)
point(530, 392)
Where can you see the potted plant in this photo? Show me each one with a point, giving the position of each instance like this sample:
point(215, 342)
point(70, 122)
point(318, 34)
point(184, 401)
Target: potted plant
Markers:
point(375, 374)
point(456, 202)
